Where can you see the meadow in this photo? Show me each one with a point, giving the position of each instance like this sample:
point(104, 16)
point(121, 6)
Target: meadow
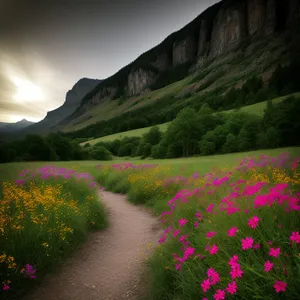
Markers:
point(229, 232)
point(231, 221)
point(45, 214)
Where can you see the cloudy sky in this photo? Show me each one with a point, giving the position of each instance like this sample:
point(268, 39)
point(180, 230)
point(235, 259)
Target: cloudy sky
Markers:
point(47, 46)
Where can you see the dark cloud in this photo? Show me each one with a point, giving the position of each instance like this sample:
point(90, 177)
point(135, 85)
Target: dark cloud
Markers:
point(55, 43)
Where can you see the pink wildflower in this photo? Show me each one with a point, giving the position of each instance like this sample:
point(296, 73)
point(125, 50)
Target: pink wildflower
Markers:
point(253, 222)
point(205, 285)
point(210, 208)
point(176, 232)
point(236, 272)
point(295, 237)
point(247, 243)
point(274, 252)
point(233, 260)
point(256, 246)
point(210, 234)
point(214, 276)
point(5, 287)
point(270, 242)
point(214, 250)
point(268, 266)
point(232, 231)
point(182, 222)
point(196, 224)
point(280, 286)
point(232, 288)
point(219, 295)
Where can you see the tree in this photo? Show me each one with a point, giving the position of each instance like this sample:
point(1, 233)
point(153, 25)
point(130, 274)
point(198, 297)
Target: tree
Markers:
point(154, 136)
point(183, 133)
point(231, 144)
point(100, 153)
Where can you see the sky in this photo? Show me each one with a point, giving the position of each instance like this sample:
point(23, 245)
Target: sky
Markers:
point(47, 46)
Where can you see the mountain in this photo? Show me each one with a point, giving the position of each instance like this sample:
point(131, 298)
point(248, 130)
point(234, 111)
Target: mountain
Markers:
point(72, 102)
point(10, 127)
point(234, 39)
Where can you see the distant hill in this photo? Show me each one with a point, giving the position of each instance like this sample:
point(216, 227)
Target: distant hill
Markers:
point(10, 127)
point(72, 102)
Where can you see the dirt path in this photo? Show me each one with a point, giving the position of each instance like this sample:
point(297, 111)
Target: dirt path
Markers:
point(109, 265)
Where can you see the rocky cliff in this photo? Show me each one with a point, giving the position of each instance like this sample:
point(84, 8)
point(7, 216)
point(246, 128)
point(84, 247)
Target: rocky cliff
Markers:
point(217, 31)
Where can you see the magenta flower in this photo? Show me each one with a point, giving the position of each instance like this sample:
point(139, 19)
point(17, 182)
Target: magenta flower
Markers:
point(176, 232)
point(236, 272)
point(233, 260)
point(196, 224)
point(182, 222)
point(214, 249)
point(274, 252)
point(162, 239)
point(210, 208)
point(231, 288)
point(270, 242)
point(256, 246)
point(214, 276)
point(280, 286)
point(5, 287)
point(232, 231)
point(253, 222)
point(295, 237)
point(268, 266)
point(205, 285)
point(219, 295)
point(247, 243)
point(210, 234)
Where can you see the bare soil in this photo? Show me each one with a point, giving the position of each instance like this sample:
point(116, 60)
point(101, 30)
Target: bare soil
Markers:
point(111, 264)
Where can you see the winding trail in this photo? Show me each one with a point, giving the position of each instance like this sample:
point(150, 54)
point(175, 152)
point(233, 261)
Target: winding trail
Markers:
point(110, 265)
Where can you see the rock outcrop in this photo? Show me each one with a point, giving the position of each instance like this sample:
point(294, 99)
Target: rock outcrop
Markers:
point(271, 20)
point(293, 13)
point(163, 62)
point(184, 51)
point(204, 37)
point(106, 93)
point(138, 80)
point(256, 14)
point(230, 27)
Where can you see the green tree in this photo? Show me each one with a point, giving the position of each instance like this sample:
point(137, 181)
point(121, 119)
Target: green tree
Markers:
point(100, 153)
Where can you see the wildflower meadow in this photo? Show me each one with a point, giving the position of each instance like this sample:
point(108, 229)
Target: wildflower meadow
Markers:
point(44, 215)
point(229, 234)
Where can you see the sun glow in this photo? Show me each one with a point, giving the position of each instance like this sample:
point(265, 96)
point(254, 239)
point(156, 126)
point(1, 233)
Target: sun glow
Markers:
point(27, 91)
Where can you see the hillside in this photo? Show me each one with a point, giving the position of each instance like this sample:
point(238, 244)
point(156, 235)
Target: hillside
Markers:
point(10, 127)
point(223, 47)
point(256, 109)
point(72, 102)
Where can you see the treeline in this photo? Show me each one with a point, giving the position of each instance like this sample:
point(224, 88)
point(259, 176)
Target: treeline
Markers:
point(54, 147)
point(204, 132)
point(284, 81)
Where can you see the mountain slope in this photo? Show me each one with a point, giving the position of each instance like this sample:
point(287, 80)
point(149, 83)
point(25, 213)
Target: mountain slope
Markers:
point(230, 41)
point(9, 127)
point(73, 99)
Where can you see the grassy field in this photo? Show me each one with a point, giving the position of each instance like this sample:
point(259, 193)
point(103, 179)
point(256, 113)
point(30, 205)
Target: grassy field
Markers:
point(185, 166)
point(130, 133)
point(228, 233)
point(257, 109)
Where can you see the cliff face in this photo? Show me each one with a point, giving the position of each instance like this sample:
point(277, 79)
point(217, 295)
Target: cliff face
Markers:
point(184, 51)
point(229, 28)
point(215, 32)
point(138, 80)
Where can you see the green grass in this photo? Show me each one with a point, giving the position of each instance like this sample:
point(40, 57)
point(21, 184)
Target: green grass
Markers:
point(130, 133)
point(258, 108)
